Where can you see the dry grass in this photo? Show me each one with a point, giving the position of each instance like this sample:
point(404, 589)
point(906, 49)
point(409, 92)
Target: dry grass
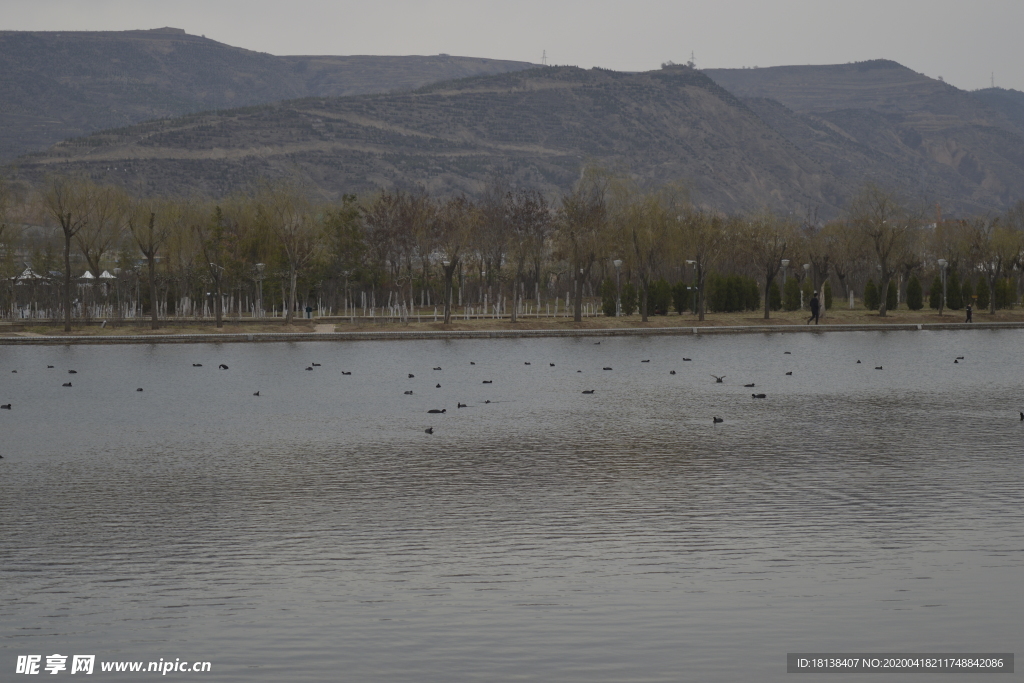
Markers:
point(779, 318)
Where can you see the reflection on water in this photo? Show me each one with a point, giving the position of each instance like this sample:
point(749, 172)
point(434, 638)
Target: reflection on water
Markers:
point(316, 532)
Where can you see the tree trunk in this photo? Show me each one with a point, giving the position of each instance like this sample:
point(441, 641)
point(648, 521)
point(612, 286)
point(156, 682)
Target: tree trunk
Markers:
point(218, 305)
point(883, 296)
point(992, 293)
point(515, 300)
point(577, 305)
point(700, 294)
point(292, 281)
point(67, 280)
point(767, 294)
point(151, 258)
point(643, 301)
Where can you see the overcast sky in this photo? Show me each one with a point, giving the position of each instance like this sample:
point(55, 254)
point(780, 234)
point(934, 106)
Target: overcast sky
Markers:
point(962, 40)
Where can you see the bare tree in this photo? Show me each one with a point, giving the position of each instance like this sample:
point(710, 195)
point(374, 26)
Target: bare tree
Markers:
point(528, 220)
point(300, 234)
point(887, 226)
point(69, 201)
point(582, 228)
point(705, 236)
point(452, 228)
point(997, 248)
point(150, 234)
point(769, 240)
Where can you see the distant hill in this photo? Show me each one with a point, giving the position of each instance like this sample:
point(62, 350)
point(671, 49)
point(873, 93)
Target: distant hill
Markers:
point(57, 85)
point(739, 143)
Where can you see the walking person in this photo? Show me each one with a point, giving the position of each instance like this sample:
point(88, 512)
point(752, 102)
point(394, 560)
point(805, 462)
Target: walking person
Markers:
point(815, 309)
point(970, 313)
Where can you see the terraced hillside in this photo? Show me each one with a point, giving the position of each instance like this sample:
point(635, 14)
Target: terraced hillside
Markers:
point(57, 85)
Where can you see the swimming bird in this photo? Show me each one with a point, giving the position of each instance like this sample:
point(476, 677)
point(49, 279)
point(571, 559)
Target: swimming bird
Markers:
point(645, 361)
point(607, 368)
point(758, 396)
point(1021, 415)
point(411, 375)
point(487, 401)
point(487, 381)
point(309, 368)
point(6, 406)
point(597, 343)
point(429, 430)
point(66, 384)
point(588, 391)
point(435, 410)
point(716, 420)
point(671, 372)
point(579, 371)
point(749, 385)
point(222, 366)
point(790, 372)
point(438, 386)
point(858, 362)
point(256, 393)
point(437, 368)
point(960, 357)
point(315, 365)
point(472, 363)
point(345, 373)
point(15, 372)
point(139, 389)
point(955, 362)
point(462, 405)
point(525, 363)
point(879, 367)
point(687, 360)
point(551, 364)
point(718, 380)
point(195, 365)
point(72, 372)
point(787, 353)
point(49, 367)
point(409, 393)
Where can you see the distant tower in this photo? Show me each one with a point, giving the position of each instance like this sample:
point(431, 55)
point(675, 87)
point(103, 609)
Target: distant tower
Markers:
point(544, 58)
point(692, 63)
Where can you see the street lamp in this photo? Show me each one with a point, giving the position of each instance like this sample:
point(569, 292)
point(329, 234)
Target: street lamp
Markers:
point(942, 267)
point(618, 296)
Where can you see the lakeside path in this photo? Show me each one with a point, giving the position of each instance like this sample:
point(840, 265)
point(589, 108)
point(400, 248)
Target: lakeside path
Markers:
point(496, 329)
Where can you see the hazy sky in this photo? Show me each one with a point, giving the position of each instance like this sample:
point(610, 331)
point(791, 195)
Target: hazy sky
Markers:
point(961, 40)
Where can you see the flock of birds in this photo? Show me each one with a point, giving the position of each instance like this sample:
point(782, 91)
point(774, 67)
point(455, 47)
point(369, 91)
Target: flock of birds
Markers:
point(719, 379)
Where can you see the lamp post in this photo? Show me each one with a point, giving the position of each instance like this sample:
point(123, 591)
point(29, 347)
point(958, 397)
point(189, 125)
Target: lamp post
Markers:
point(942, 269)
point(694, 264)
point(618, 292)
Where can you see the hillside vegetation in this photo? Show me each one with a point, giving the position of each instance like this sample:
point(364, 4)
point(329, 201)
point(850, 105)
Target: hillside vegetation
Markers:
point(57, 85)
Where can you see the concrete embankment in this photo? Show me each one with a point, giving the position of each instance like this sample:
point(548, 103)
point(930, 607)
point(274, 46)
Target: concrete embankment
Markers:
point(229, 338)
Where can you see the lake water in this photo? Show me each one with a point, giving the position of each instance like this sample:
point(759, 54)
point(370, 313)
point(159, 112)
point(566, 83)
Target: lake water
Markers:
point(316, 532)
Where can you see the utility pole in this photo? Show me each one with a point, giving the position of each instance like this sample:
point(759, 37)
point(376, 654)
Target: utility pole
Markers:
point(544, 58)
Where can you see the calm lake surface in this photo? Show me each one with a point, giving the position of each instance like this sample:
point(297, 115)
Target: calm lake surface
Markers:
point(317, 533)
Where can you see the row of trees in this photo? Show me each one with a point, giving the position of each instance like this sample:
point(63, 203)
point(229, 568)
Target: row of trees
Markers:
point(412, 250)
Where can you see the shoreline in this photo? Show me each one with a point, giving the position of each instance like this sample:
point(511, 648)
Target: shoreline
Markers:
point(397, 335)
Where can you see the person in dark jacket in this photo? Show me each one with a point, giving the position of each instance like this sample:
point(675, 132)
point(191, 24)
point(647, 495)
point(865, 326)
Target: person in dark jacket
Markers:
point(815, 309)
point(970, 314)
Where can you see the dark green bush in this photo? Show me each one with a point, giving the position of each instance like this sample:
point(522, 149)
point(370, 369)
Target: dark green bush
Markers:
point(967, 293)
point(871, 299)
point(807, 289)
point(732, 293)
point(628, 299)
point(1006, 293)
point(983, 297)
point(791, 295)
point(659, 297)
point(681, 299)
point(826, 295)
point(915, 297)
point(954, 295)
point(935, 296)
point(774, 296)
point(608, 297)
